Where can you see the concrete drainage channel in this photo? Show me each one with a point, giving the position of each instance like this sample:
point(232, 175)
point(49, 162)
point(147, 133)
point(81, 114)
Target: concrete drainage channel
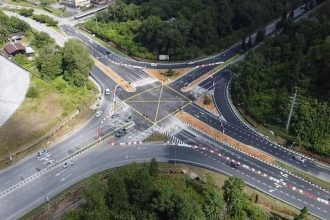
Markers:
point(61, 162)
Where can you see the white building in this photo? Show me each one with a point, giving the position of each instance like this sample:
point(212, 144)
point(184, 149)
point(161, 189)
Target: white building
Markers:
point(78, 3)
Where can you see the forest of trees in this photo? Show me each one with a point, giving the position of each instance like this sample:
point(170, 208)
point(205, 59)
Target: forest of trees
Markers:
point(139, 192)
point(297, 59)
point(183, 29)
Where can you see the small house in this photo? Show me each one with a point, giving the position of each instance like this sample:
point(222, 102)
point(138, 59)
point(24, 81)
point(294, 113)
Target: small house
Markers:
point(16, 36)
point(13, 49)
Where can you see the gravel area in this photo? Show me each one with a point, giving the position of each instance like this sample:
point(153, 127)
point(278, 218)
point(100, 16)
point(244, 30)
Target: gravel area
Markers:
point(14, 83)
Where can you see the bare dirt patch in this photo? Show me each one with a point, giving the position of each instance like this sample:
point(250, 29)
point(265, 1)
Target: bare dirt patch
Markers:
point(189, 119)
point(115, 77)
point(159, 74)
point(211, 107)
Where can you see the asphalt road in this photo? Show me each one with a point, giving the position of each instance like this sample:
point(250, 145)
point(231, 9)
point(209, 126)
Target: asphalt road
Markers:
point(103, 157)
point(235, 128)
point(255, 173)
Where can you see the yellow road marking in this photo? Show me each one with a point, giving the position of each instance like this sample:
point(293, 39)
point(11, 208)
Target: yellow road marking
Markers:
point(142, 92)
point(170, 114)
point(158, 101)
point(160, 96)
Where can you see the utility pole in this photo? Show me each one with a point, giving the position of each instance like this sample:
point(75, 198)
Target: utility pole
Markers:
point(293, 103)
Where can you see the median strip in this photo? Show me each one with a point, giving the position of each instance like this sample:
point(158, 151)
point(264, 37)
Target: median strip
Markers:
point(203, 127)
point(115, 77)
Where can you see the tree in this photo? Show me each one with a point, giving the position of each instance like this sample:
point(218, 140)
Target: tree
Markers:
point(207, 100)
point(49, 63)
point(76, 63)
point(214, 204)
point(234, 197)
point(303, 214)
point(260, 35)
point(153, 167)
point(117, 197)
point(41, 40)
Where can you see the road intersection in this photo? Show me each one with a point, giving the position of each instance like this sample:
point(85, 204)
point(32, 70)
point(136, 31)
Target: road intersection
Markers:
point(153, 105)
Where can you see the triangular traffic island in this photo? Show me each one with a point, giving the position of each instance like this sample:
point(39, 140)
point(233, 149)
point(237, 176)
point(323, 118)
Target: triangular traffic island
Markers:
point(157, 103)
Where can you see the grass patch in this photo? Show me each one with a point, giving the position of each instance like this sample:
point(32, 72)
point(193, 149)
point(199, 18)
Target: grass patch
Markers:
point(156, 136)
point(306, 176)
point(38, 115)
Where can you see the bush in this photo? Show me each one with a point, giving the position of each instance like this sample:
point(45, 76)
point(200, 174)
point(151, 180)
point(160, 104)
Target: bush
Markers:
point(32, 93)
point(25, 12)
point(169, 73)
point(45, 19)
point(21, 59)
point(207, 100)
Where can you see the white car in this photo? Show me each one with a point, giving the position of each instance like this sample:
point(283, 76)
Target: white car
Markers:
point(191, 62)
point(43, 153)
point(107, 91)
point(68, 163)
point(98, 113)
point(284, 174)
point(153, 64)
point(299, 158)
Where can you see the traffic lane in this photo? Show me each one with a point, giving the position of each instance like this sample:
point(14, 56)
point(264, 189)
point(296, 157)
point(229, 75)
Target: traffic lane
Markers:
point(123, 60)
point(62, 148)
point(201, 140)
point(259, 181)
point(250, 137)
point(229, 130)
point(189, 77)
point(34, 193)
point(222, 103)
point(98, 159)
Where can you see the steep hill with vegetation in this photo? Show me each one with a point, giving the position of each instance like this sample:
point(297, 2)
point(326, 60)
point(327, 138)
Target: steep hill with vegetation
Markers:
point(183, 28)
point(297, 59)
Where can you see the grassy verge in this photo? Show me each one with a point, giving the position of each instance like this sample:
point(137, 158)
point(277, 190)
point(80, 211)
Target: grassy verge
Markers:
point(306, 176)
point(156, 136)
point(262, 129)
point(58, 203)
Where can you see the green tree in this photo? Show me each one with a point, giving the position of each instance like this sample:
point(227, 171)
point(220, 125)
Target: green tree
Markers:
point(234, 197)
point(32, 92)
point(117, 197)
point(214, 204)
point(41, 39)
point(49, 63)
point(303, 214)
point(207, 100)
point(76, 63)
point(153, 167)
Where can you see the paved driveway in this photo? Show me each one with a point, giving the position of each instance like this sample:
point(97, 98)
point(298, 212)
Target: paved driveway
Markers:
point(14, 83)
